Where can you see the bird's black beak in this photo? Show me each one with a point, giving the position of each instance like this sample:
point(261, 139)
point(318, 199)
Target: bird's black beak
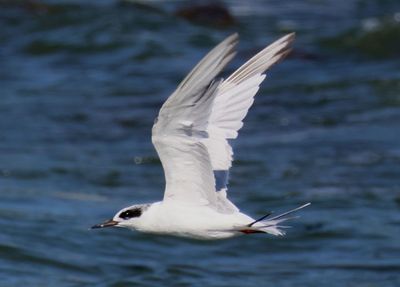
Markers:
point(107, 223)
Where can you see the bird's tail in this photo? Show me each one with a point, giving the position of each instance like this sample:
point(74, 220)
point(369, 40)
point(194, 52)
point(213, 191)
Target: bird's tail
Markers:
point(271, 225)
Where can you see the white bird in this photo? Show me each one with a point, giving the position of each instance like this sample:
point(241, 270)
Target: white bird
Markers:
point(191, 136)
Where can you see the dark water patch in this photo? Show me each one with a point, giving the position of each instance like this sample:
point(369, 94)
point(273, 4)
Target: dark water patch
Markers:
point(201, 40)
point(141, 269)
point(35, 8)
point(362, 267)
point(379, 42)
point(60, 15)
point(151, 50)
point(43, 48)
point(376, 115)
point(110, 179)
point(78, 117)
point(144, 7)
point(15, 254)
point(128, 123)
point(26, 174)
point(60, 170)
point(315, 88)
point(328, 234)
point(127, 283)
point(388, 91)
point(184, 270)
point(212, 14)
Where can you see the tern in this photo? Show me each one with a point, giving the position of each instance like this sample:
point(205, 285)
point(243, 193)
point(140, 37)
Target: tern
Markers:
point(192, 135)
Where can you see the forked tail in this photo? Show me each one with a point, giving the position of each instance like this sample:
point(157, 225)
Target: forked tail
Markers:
point(271, 225)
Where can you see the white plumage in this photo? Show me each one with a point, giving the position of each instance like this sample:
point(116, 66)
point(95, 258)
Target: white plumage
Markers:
point(191, 136)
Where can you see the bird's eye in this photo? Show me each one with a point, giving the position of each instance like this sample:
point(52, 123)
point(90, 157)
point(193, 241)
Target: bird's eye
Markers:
point(136, 212)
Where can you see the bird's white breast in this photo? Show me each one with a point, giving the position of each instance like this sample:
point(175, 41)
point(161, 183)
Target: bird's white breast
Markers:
point(200, 222)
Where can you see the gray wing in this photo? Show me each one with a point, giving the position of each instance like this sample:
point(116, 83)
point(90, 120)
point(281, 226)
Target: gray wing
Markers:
point(181, 126)
point(194, 124)
point(234, 97)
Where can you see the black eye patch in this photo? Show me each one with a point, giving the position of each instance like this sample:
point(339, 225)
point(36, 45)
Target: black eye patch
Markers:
point(136, 212)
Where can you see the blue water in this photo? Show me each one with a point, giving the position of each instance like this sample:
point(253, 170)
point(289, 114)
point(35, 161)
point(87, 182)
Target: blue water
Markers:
point(80, 85)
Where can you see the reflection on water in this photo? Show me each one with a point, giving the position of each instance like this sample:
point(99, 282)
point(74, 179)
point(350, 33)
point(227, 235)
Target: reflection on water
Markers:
point(81, 84)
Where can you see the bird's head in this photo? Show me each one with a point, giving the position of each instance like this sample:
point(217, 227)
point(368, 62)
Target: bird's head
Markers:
point(127, 217)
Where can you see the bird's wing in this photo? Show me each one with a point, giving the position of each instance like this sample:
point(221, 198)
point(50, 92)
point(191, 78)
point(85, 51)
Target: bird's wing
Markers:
point(181, 126)
point(232, 101)
point(193, 127)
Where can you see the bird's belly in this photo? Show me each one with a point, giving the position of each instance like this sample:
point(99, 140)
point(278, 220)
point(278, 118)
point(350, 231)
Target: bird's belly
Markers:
point(197, 224)
point(194, 234)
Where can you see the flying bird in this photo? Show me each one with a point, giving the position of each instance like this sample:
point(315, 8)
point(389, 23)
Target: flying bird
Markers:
point(191, 135)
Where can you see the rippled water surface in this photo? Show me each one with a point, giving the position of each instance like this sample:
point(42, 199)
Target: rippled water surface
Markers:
point(80, 85)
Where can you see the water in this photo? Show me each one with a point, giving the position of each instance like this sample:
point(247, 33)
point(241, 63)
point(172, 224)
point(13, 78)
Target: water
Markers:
point(81, 84)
